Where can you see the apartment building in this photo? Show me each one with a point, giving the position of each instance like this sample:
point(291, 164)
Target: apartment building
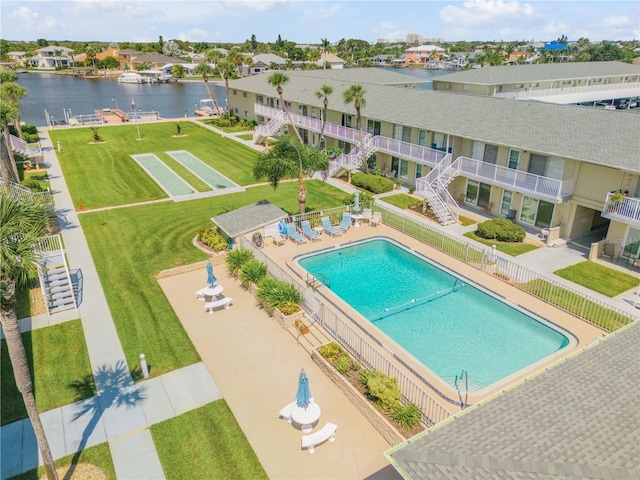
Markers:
point(546, 166)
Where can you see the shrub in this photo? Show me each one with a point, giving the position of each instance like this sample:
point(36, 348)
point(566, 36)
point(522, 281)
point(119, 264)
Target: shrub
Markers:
point(343, 363)
point(365, 199)
point(331, 351)
point(383, 389)
point(96, 137)
point(252, 272)
point(274, 293)
point(213, 239)
point(501, 229)
point(30, 129)
point(32, 185)
point(407, 416)
point(289, 308)
point(373, 183)
point(236, 258)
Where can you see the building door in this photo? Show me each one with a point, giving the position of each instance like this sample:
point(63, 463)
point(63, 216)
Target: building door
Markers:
point(395, 163)
point(484, 194)
point(422, 138)
point(507, 198)
point(374, 127)
point(537, 164)
point(490, 154)
point(632, 244)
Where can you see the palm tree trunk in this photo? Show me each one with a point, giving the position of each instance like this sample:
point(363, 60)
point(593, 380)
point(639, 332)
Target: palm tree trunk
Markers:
point(10, 159)
point(16, 123)
point(286, 112)
point(213, 99)
point(302, 194)
point(364, 154)
point(226, 87)
point(22, 376)
point(324, 122)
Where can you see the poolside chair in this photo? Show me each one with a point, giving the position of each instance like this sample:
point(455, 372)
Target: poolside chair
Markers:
point(309, 232)
point(330, 229)
point(345, 223)
point(366, 214)
point(278, 239)
point(293, 234)
point(376, 219)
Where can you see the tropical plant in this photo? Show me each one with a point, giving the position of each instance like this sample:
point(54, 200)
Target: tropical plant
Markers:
point(252, 272)
point(373, 183)
point(323, 93)
point(325, 44)
point(205, 70)
point(96, 137)
point(14, 93)
point(277, 80)
point(343, 363)
point(501, 229)
point(213, 239)
point(331, 351)
point(355, 93)
point(407, 416)
point(226, 69)
point(237, 258)
point(289, 308)
point(383, 389)
point(23, 223)
point(8, 112)
point(289, 158)
point(273, 293)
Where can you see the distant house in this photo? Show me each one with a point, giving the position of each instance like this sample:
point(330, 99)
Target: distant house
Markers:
point(327, 57)
point(263, 62)
point(423, 53)
point(381, 59)
point(52, 57)
point(18, 58)
point(157, 60)
point(555, 46)
point(125, 58)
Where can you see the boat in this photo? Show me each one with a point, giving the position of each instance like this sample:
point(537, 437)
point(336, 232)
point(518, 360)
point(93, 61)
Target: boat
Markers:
point(207, 109)
point(155, 76)
point(133, 77)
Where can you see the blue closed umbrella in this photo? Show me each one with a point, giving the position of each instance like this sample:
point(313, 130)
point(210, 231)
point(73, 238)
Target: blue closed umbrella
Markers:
point(211, 278)
point(303, 395)
point(356, 202)
point(282, 227)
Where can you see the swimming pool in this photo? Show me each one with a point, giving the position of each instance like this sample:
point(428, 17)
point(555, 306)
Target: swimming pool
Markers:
point(441, 320)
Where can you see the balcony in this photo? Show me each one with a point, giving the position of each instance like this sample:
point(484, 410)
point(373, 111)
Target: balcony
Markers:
point(625, 211)
point(537, 186)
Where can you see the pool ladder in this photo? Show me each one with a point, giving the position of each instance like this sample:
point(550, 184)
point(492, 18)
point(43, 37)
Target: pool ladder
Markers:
point(315, 280)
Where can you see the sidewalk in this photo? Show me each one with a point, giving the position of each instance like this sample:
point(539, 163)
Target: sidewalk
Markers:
point(122, 411)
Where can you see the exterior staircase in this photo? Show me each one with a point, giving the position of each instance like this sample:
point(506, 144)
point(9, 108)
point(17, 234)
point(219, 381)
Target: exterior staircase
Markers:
point(274, 125)
point(23, 193)
point(353, 159)
point(24, 149)
point(55, 278)
point(433, 188)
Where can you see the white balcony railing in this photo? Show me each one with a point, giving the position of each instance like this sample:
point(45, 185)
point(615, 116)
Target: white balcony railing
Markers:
point(548, 92)
point(626, 210)
point(544, 187)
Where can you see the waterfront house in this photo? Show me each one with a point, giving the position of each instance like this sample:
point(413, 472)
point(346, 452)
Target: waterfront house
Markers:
point(546, 166)
point(422, 54)
point(18, 58)
point(52, 57)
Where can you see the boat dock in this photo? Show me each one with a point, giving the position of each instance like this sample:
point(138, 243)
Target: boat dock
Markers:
point(112, 115)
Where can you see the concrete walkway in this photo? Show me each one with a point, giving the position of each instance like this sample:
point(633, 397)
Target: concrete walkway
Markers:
point(122, 411)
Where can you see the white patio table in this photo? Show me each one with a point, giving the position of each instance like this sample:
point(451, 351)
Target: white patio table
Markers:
point(306, 418)
point(213, 291)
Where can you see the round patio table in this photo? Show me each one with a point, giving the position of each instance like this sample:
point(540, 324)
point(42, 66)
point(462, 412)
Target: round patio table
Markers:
point(213, 291)
point(306, 418)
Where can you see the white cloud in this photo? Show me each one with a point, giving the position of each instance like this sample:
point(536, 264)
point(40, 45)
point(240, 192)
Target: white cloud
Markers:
point(324, 13)
point(193, 35)
point(33, 21)
point(390, 31)
point(256, 5)
point(488, 13)
point(555, 29)
point(616, 22)
point(116, 9)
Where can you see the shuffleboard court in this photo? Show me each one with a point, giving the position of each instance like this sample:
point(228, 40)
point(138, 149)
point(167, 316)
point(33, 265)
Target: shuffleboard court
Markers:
point(209, 175)
point(168, 180)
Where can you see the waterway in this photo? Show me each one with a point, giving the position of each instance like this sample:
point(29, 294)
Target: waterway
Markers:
point(57, 93)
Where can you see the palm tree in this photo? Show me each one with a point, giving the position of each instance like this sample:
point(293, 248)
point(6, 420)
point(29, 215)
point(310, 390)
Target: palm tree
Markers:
point(324, 92)
point(9, 170)
point(355, 93)
point(205, 70)
point(325, 44)
point(13, 93)
point(290, 158)
point(277, 80)
point(226, 69)
point(22, 225)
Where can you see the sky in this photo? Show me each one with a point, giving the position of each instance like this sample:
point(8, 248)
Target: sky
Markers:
point(305, 21)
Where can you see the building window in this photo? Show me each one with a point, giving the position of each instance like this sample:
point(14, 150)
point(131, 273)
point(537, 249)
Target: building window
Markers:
point(246, 114)
point(466, 87)
point(422, 138)
point(505, 205)
point(447, 85)
point(235, 92)
point(534, 85)
point(260, 99)
point(536, 212)
point(518, 86)
point(244, 94)
point(404, 169)
point(514, 159)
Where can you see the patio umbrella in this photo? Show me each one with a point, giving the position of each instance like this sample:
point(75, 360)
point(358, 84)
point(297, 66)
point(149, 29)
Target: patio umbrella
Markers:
point(356, 202)
point(303, 395)
point(211, 278)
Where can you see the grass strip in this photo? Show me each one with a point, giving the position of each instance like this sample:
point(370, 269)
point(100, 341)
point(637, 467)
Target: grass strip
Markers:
point(57, 357)
point(192, 179)
point(513, 249)
point(596, 277)
point(99, 455)
point(402, 200)
point(206, 443)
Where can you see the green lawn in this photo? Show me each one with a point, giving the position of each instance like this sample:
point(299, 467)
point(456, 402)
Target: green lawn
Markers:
point(101, 175)
point(599, 278)
point(206, 443)
point(235, 129)
point(466, 221)
point(100, 456)
point(130, 246)
point(402, 200)
point(57, 356)
point(246, 136)
point(513, 249)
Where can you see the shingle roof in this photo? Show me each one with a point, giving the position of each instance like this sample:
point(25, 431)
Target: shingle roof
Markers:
point(580, 419)
point(249, 218)
point(599, 136)
point(539, 72)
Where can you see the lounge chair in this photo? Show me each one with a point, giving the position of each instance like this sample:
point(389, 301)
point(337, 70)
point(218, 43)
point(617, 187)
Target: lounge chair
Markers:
point(309, 232)
point(366, 214)
point(293, 234)
point(345, 223)
point(376, 219)
point(330, 229)
point(278, 239)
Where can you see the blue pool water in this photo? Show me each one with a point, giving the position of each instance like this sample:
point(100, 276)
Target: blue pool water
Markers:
point(443, 322)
